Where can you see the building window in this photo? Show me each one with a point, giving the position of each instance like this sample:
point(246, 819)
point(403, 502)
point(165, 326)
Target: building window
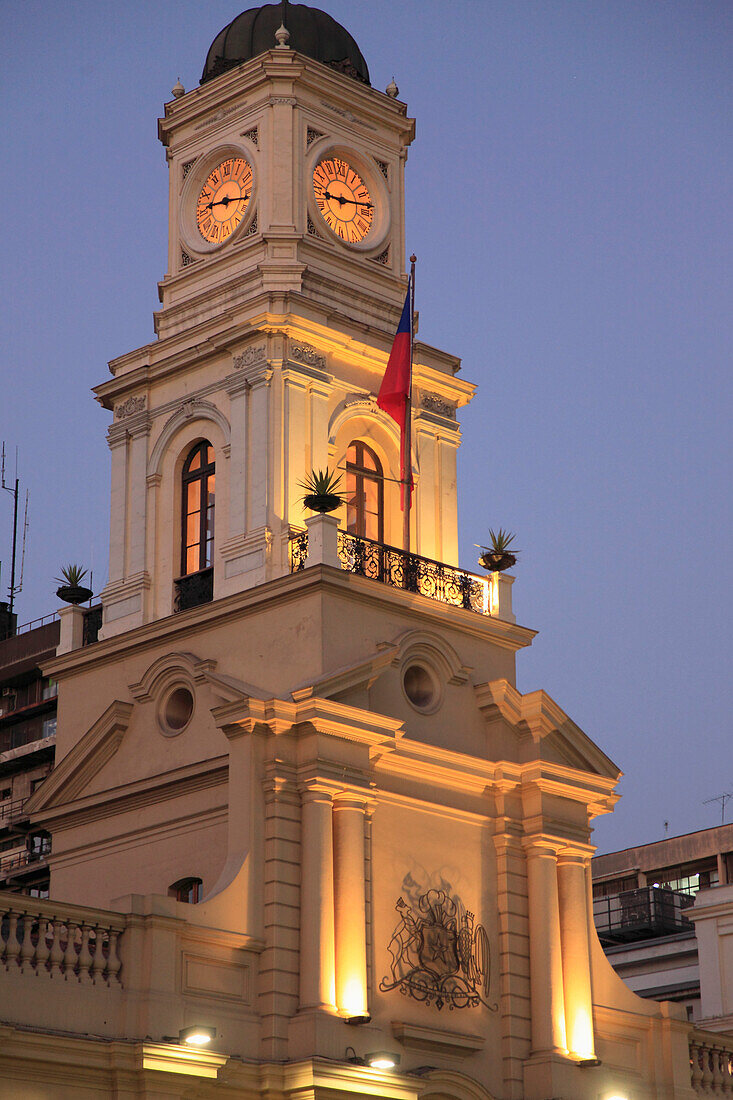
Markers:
point(198, 485)
point(190, 890)
point(364, 493)
point(49, 727)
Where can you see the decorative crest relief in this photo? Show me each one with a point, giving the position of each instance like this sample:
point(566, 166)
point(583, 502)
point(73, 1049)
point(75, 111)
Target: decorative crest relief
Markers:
point(438, 954)
point(304, 353)
point(129, 408)
point(253, 354)
point(435, 404)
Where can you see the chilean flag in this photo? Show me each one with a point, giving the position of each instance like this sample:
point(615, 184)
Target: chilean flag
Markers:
point(395, 392)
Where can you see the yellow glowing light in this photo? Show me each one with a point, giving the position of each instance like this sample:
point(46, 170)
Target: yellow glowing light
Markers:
point(382, 1059)
point(198, 1039)
point(196, 1035)
point(580, 1034)
point(353, 998)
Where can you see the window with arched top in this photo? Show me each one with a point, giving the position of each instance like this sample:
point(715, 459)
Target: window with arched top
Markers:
point(364, 492)
point(190, 890)
point(197, 511)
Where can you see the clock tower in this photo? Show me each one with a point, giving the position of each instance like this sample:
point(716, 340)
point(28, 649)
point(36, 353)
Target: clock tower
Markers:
point(284, 288)
point(299, 806)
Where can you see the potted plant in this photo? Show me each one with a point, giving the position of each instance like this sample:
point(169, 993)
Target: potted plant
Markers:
point(499, 555)
point(322, 491)
point(72, 590)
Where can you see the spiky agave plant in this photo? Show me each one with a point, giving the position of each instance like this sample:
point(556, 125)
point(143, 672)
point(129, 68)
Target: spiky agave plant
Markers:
point(71, 576)
point(322, 490)
point(500, 554)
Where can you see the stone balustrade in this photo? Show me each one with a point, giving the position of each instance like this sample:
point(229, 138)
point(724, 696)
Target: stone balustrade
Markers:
point(711, 1063)
point(57, 940)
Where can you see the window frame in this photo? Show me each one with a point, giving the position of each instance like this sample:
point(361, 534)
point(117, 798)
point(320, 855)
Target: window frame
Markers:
point(362, 473)
point(201, 475)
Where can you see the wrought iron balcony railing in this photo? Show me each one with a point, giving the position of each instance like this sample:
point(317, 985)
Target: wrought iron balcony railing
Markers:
point(194, 589)
point(411, 572)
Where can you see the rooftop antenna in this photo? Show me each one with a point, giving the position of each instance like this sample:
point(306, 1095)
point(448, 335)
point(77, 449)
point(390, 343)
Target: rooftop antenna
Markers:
point(723, 799)
point(666, 828)
point(13, 589)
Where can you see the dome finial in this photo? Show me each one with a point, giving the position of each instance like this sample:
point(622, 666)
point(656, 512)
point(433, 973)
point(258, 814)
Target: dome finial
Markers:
point(392, 90)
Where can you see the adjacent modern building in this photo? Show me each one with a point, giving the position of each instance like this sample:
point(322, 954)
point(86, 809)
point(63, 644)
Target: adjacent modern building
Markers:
point(300, 811)
point(642, 906)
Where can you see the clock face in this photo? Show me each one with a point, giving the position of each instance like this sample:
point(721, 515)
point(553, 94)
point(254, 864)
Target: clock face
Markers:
point(224, 199)
point(343, 199)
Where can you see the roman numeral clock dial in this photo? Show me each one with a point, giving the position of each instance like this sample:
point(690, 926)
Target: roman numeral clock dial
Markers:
point(343, 199)
point(223, 200)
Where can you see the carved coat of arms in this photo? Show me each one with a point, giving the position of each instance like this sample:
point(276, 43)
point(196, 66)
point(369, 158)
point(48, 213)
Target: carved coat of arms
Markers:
point(438, 954)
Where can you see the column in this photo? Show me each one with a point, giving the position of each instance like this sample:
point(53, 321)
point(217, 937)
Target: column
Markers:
point(350, 906)
point(294, 443)
point(260, 461)
point(572, 896)
point(237, 388)
point(545, 951)
point(137, 500)
point(117, 440)
point(317, 980)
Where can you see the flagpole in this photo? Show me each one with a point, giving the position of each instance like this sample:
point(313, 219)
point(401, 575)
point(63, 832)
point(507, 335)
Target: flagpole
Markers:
point(407, 483)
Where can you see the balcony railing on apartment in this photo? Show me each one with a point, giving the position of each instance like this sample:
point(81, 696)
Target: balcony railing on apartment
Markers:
point(12, 811)
point(411, 572)
point(641, 914)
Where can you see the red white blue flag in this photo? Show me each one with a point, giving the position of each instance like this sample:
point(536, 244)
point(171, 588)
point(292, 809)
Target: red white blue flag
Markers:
point(395, 392)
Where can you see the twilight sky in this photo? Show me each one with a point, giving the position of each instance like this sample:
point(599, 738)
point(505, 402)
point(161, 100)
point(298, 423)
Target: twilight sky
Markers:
point(569, 198)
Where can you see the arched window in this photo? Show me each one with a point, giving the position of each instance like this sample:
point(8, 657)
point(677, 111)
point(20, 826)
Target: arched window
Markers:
point(364, 492)
point(197, 512)
point(187, 889)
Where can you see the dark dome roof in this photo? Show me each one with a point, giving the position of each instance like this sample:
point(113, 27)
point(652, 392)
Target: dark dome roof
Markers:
point(312, 32)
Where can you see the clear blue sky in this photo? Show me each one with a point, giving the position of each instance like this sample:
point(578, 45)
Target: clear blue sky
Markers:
point(569, 198)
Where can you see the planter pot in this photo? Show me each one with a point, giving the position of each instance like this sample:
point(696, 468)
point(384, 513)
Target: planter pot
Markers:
point(322, 502)
point(75, 594)
point(497, 563)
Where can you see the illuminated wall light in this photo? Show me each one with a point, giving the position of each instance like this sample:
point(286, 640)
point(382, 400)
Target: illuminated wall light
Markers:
point(196, 1035)
point(378, 1059)
point(382, 1059)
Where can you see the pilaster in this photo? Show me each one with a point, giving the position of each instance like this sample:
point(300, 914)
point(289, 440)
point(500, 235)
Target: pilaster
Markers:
point(350, 905)
point(545, 948)
point(574, 929)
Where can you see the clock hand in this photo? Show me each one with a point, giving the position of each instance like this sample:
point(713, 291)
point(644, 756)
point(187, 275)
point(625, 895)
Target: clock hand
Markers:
point(224, 202)
point(342, 201)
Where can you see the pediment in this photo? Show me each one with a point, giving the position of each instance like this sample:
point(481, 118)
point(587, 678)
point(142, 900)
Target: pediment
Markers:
point(537, 716)
point(172, 667)
point(409, 645)
point(74, 773)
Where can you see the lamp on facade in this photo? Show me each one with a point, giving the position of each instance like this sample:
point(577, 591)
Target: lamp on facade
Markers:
point(378, 1059)
point(196, 1035)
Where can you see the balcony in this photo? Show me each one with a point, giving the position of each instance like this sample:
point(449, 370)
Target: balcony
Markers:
point(410, 572)
point(193, 590)
point(641, 914)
